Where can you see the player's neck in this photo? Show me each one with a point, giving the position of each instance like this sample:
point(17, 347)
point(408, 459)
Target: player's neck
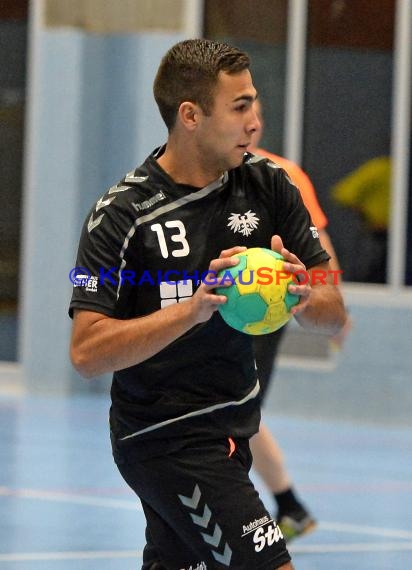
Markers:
point(185, 167)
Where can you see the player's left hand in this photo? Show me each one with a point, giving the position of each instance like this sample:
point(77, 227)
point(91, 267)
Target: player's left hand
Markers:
point(294, 265)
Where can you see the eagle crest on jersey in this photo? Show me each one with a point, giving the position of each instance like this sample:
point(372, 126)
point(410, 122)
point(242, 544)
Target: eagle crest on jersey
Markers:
point(243, 223)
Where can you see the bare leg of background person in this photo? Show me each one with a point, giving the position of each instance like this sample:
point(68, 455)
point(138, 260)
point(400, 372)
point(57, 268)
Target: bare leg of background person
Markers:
point(292, 517)
point(268, 461)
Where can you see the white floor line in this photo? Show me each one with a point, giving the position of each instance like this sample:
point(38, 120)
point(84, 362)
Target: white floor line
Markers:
point(81, 555)
point(294, 549)
point(370, 530)
point(350, 547)
point(70, 498)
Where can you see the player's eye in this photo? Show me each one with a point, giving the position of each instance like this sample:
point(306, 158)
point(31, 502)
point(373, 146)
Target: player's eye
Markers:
point(244, 105)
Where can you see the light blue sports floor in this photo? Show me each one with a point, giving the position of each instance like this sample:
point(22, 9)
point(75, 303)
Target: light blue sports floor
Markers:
point(64, 506)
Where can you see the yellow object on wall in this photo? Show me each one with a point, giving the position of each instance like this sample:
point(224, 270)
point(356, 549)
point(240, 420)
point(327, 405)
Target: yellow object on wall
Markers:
point(367, 189)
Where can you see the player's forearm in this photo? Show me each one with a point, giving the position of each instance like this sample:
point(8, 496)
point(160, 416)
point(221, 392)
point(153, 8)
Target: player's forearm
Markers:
point(101, 344)
point(106, 344)
point(333, 261)
point(325, 311)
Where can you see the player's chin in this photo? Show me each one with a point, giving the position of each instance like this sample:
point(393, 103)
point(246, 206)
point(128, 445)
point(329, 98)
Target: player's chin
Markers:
point(238, 154)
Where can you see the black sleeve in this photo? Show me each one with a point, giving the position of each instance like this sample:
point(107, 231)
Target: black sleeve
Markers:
point(100, 258)
point(298, 232)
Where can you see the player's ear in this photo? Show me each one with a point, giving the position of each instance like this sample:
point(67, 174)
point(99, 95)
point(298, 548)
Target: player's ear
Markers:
point(189, 114)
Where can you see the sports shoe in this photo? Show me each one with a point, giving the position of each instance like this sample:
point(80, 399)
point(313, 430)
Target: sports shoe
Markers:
point(294, 526)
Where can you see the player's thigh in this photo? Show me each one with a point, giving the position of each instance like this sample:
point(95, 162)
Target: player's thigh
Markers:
point(161, 542)
point(204, 509)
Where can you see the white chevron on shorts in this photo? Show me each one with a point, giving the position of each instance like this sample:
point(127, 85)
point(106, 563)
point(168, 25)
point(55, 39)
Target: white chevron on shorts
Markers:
point(203, 521)
point(192, 501)
point(225, 557)
point(213, 539)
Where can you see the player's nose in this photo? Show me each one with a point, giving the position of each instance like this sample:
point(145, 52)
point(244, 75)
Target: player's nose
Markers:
point(254, 123)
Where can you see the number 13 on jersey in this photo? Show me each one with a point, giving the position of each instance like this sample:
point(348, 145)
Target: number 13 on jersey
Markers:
point(178, 236)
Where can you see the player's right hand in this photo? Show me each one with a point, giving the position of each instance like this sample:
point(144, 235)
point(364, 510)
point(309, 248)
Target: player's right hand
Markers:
point(205, 301)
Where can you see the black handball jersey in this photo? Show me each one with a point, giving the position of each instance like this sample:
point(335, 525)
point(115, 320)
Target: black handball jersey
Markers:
point(147, 243)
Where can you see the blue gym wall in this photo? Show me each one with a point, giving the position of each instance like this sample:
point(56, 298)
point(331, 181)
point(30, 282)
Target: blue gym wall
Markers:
point(91, 119)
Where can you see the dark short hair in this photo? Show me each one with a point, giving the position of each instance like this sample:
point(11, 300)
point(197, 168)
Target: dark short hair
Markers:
point(189, 72)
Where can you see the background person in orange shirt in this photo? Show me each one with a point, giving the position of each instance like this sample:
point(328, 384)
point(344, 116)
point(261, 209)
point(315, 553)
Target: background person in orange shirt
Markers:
point(293, 517)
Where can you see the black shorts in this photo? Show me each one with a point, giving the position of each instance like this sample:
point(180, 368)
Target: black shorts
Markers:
point(202, 510)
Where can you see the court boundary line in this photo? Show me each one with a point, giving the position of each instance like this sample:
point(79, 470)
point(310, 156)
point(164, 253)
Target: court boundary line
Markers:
point(368, 530)
point(75, 555)
point(338, 548)
point(70, 498)
point(350, 547)
point(403, 542)
point(89, 500)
